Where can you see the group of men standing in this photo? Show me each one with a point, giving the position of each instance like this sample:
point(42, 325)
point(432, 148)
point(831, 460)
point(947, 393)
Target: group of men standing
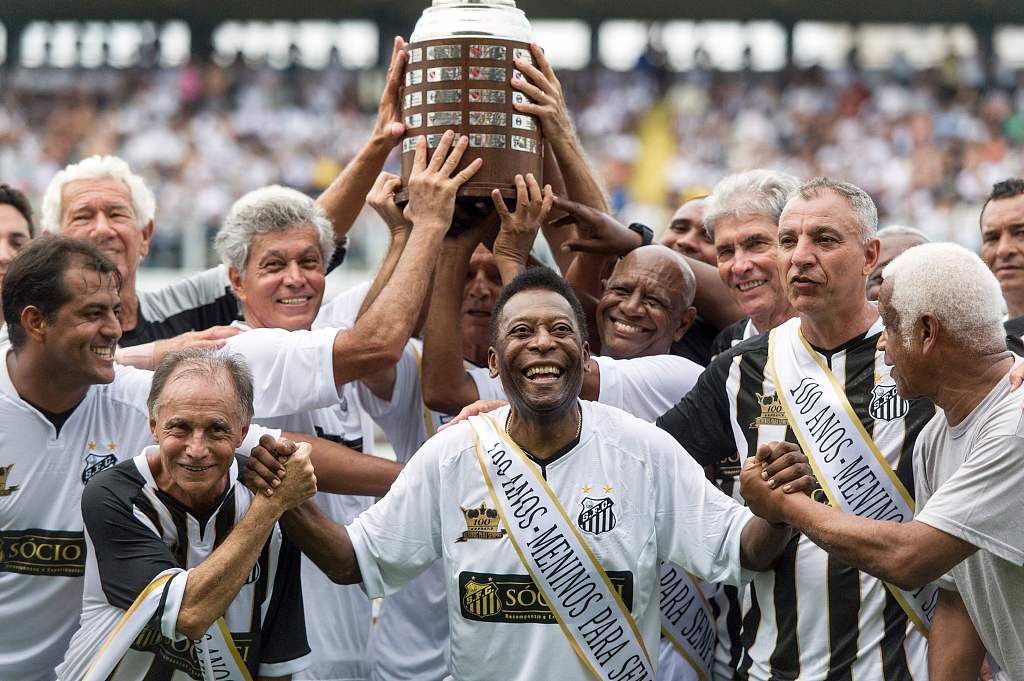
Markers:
point(709, 458)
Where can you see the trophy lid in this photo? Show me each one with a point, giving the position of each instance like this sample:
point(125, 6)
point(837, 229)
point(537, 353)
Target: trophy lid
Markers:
point(471, 18)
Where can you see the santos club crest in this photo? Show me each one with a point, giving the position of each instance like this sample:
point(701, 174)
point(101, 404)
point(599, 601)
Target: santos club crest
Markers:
point(886, 404)
point(597, 515)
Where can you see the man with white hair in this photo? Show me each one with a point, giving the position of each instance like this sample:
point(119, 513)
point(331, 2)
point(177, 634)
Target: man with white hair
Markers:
point(102, 200)
point(943, 310)
point(187, 570)
point(813, 618)
point(275, 244)
point(742, 219)
point(893, 240)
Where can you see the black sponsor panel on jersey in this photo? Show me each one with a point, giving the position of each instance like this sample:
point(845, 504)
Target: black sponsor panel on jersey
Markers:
point(486, 597)
point(43, 553)
point(181, 655)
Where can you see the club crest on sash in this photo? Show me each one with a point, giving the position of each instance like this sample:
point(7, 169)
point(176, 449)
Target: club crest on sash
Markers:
point(886, 404)
point(772, 412)
point(481, 523)
point(96, 462)
point(483, 599)
point(597, 515)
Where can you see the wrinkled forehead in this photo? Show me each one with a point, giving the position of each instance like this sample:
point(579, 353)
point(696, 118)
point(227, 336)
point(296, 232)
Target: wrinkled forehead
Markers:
point(1002, 213)
point(293, 241)
point(537, 306)
point(692, 210)
point(103, 190)
point(650, 267)
point(824, 209)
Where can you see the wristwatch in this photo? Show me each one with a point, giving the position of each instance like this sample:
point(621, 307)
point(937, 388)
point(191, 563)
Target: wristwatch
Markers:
point(645, 232)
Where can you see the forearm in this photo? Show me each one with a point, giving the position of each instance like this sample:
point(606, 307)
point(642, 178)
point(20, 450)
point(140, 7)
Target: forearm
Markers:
point(396, 245)
point(344, 198)
point(138, 356)
point(581, 183)
point(713, 299)
point(324, 541)
point(213, 584)
point(880, 548)
point(955, 652)
point(379, 336)
point(558, 234)
point(761, 544)
point(342, 470)
point(447, 387)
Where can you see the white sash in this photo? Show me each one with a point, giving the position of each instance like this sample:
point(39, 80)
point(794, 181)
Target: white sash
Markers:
point(687, 620)
point(591, 605)
point(850, 469)
point(218, 657)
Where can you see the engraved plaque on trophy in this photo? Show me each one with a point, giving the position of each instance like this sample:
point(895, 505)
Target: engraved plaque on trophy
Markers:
point(458, 76)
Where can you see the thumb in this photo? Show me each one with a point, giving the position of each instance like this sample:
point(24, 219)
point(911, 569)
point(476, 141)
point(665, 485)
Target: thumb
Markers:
point(396, 129)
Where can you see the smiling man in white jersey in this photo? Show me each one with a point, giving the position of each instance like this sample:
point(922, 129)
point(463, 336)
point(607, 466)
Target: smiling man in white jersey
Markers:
point(569, 503)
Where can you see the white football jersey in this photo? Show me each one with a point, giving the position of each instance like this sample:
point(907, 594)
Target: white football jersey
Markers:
point(658, 506)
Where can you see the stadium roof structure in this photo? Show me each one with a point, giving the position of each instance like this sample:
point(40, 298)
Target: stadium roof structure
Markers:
point(405, 12)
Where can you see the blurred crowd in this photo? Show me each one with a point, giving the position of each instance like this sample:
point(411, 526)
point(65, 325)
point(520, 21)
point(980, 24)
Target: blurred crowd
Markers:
point(927, 145)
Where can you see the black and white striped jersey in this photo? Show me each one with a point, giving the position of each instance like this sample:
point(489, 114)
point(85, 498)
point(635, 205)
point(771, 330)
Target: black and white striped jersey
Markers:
point(135, 531)
point(812, 618)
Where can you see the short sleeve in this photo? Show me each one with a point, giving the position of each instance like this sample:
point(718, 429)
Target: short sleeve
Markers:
point(487, 388)
point(407, 375)
point(129, 555)
point(700, 421)
point(400, 536)
point(284, 649)
point(341, 311)
point(981, 502)
point(646, 386)
point(293, 371)
point(698, 527)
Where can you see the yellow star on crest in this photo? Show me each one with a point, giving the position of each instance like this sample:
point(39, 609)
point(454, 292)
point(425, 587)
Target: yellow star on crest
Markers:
point(91, 445)
point(607, 489)
point(878, 377)
point(111, 445)
point(586, 488)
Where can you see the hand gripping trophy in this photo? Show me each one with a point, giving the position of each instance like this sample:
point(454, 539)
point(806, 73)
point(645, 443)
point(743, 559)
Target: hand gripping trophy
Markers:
point(457, 76)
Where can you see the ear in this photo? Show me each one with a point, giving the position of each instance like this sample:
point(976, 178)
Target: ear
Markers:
point(492, 361)
point(152, 428)
point(147, 237)
point(235, 277)
point(927, 333)
point(871, 252)
point(241, 437)
point(34, 322)
point(586, 356)
point(685, 322)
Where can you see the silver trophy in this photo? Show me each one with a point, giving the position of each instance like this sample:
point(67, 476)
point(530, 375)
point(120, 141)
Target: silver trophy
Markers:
point(457, 76)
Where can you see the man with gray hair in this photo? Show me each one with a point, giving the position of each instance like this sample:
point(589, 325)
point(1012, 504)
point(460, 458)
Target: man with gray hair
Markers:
point(944, 338)
point(102, 200)
point(188, 572)
point(742, 219)
point(892, 240)
point(820, 378)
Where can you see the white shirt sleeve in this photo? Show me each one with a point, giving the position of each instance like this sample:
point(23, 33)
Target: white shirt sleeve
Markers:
point(487, 388)
point(698, 526)
point(981, 502)
point(400, 536)
point(407, 375)
point(646, 387)
point(293, 371)
point(340, 312)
